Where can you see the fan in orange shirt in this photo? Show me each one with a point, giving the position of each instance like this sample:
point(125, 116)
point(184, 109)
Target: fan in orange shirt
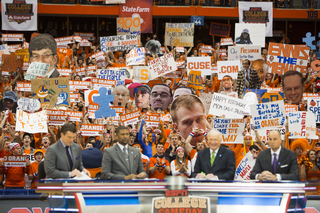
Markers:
point(33, 173)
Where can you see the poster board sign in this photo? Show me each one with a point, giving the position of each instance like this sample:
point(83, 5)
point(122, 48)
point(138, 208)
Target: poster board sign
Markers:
point(231, 129)
point(290, 108)
point(74, 97)
point(202, 64)
point(230, 68)
point(53, 92)
point(97, 83)
point(161, 66)
point(130, 118)
point(88, 36)
point(99, 56)
point(206, 99)
point(179, 34)
point(92, 69)
point(37, 69)
point(136, 57)
point(226, 41)
point(245, 167)
point(284, 57)
point(28, 104)
point(255, 34)
point(12, 37)
point(119, 43)
point(257, 12)
point(4, 49)
point(116, 74)
point(218, 29)
point(75, 85)
point(314, 107)
point(244, 52)
point(180, 49)
point(58, 117)
point(24, 86)
point(141, 74)
point(85, 43)
point(15, 160)
point(269, 115)
point(308, 95)
point(302, 125)
point(152, 119)
point(128, 25)
point(11, 63)
point(64, 72)
point(65, 40)
point(31, 122)
point(226, 105)
point(91, 129)
point(264, 134)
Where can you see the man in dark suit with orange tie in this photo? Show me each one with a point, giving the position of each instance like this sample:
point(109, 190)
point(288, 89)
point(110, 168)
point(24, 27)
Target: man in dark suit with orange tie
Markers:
point(215, 162)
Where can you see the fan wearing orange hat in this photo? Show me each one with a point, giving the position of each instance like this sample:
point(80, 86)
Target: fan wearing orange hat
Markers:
point(33, 173)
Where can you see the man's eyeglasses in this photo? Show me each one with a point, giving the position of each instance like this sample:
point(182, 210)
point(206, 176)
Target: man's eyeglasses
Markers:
point(37, 57)
point(162, 95)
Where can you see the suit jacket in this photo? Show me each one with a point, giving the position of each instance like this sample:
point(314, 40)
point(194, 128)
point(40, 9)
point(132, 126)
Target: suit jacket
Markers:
point(56, 162)
point(224, 165)
point(254, 81)
point(55, 74)
point(114, 165)
point(287, 166)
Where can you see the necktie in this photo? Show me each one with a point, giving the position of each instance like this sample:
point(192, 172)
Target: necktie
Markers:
point(125, 154)
point(212, 157)
point(69, 158)
point(274, 164)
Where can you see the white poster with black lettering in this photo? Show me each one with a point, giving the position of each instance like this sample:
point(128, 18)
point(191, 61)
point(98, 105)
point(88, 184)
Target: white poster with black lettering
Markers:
point(230, 68)
point(228, 106)
point(245, 52)
point(250, 34)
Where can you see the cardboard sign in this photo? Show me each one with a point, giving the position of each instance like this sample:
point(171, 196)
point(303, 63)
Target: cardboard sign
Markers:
point(130, 118)
point(245, 167)
point(194, 80)
point(11, 63)
point(284, 57)
point(230, 68)
point(74, 97)
point(15, 160)
point(31, 123)
point(97, 83)
point(307, 96)
point(141, 74)
point(85, 43)
point(21, 52)
point(51, 92)
point(119, 43)
point(116, 74)
point(314, 107)
point(24, 86)
point(88, 36)
point(290, 108)
point(240, 53)
point(255, 34)
point(161, 66)
point(231, 129)
point(129, 26)
point(64, 72)
point(152, 119)
point(206, 99)
point(202, 64)
point(179, 34)
point(75, 85)
point(180, 49)
point(28, 104)
point(225, 105)
point(58, 117)
point(226, 41)
point(91, 129)
point(268, 115)
point(65, 40)
point(302, 125)
point(12, 37)
point(79, 71)
point(37, 69)
point(91, 69)
point(218, 29)
point(99, 56)
point(136, 57)
point(4, 49)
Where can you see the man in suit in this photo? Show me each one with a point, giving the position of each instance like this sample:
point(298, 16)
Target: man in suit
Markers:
point(276, 163)
point(63, 158)
point(121, 161)
point(43, 48)
point(247, 78)
point(216, 161)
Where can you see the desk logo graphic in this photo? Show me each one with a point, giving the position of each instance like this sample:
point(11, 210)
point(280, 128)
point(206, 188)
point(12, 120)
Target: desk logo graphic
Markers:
point(19, 11)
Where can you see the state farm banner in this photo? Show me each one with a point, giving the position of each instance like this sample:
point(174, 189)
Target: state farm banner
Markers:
point(91, 129)
point(141, 74)
point(142, 9)
point(136, 57)
point(245, 167)
point(284, 57)
point(202, 64)
point(162, 65)
point(24, 86)
point(118, 43)
point(58, 117)
point(19, 15)
point(31, 122)
point(249, 34)
point(152, 119)
point(218, 29)
point(268, 115)
point(130, 118)
point(302, 125)
point(226, 105)
point(231, 129)
point(245, 52)
point(314, 107)
point(15, 160)
point(257, 12)
point(179, 34)
point(230, 68)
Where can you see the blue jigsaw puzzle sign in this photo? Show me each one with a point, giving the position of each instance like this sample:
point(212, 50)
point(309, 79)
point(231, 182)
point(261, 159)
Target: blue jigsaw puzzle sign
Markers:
point(104, 100)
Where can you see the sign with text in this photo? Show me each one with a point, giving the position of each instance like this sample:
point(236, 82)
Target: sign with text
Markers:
point(231, 129)
point(230, 68)
point(97, 83)
point(314, 107)
point(302, 125)
point(91, 129)
point(152, 119)
point(116, 74)
point(28, 104)
point(225, 105)
point(24, 86)
point(74, 97)
point(75, 85)
point(290, 108)
point(130, 25)
point(31, 122)
point(245, 167)
point(161, 66)
point(268, 115)
point(130, 118)
point(88, 36)
point(136, 57)
point(37, 69)
point(15, 160)
point(202, 64)
point(218, 29)
point(245, 52)
point(58, 117)
point(226, 41)
point(141, 74)
point(197, 20)
point(179, 34)
point(118, 43)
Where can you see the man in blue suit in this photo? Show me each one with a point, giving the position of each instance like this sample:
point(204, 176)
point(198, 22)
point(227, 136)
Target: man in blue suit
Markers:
point(216, 162)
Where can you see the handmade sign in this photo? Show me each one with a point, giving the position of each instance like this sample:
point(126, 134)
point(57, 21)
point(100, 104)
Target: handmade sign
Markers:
point(268, 115)
point(119, 43)
point(226, 41)
point(4, 49)
point(28, 104)
point(231, 129)
point(230, 68)
point(194, 80)
point(202, 64)
point(162, 65)
point(74, 97)
point(103, 100)
point(218, 29)
point(37, 69)
point(152, 119)
point(130, 25)
point(179, 34)
point(136, 57)
point(75, 85)
point(24, 86)
point(31, 123)
point(58, 117)
point(302, 125)
point(225, 105)
point(264, 134)
point(91, 129)
point(141, 74)
point(15, 160)
point(130, 118)
point(11, 63)
point(245, 52)
point(51, 92)
point(314, 107)
point(245, 167)
point(97, 83)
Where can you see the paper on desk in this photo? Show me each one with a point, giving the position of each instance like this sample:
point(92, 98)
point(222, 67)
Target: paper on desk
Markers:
point(83, 177)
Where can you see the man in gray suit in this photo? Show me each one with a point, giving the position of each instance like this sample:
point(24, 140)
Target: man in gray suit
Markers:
point(63, 159)
point(43, 48)
point(121, 161)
